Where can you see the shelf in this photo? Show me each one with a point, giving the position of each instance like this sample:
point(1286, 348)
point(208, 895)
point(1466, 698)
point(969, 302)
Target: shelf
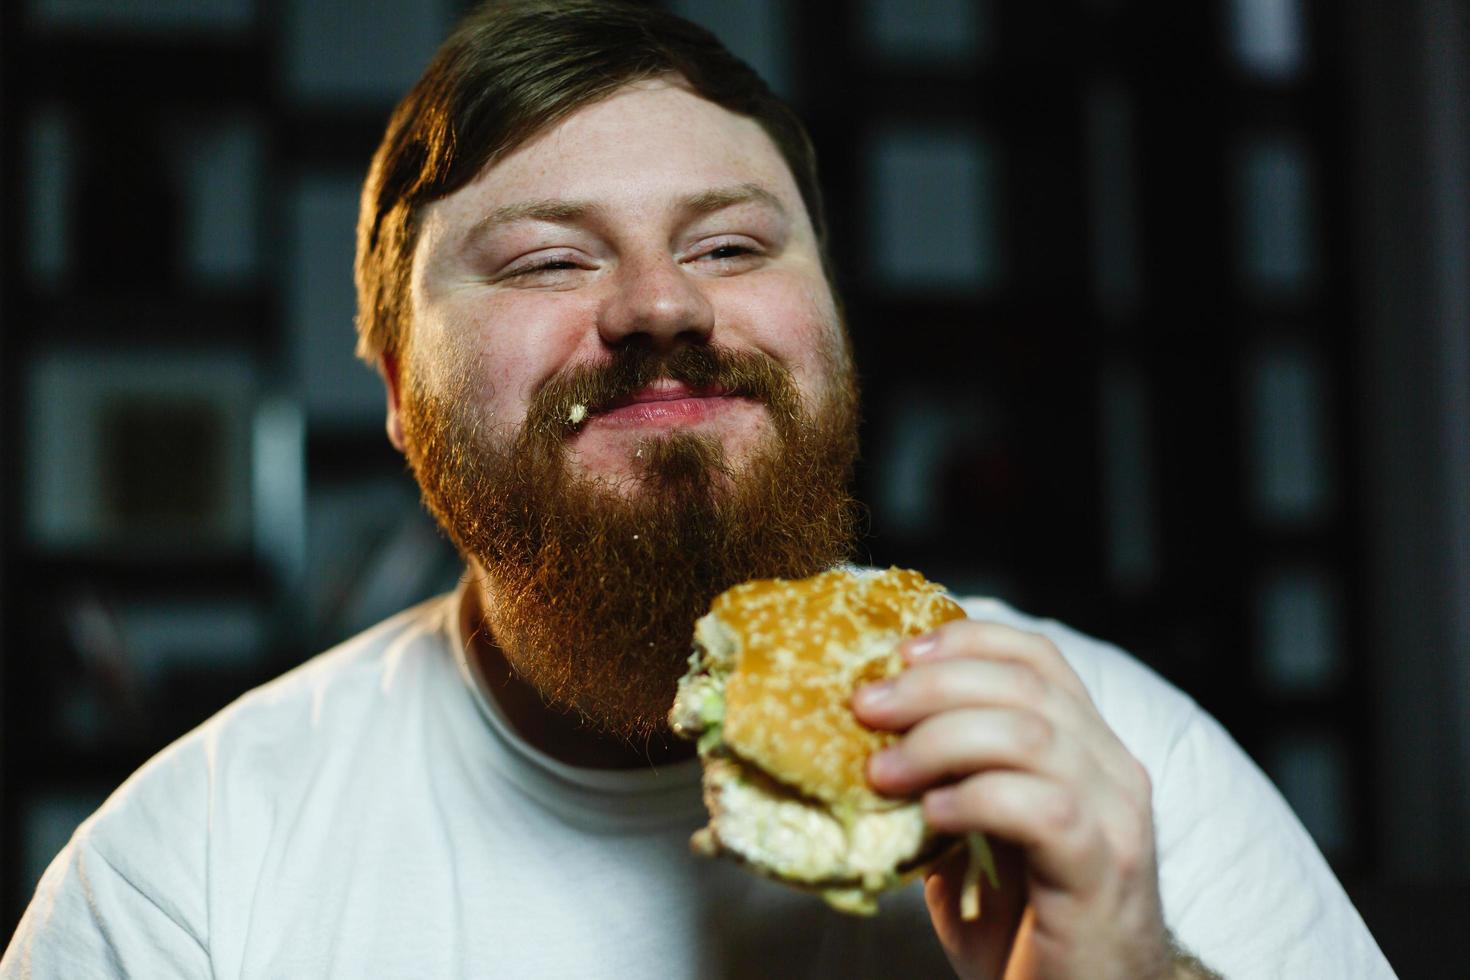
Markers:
point(104, 72)
point(340, 139)
point(1012, 376)
point(138, 574)
point(52, 762)
point(181, 317)
point(334, 455)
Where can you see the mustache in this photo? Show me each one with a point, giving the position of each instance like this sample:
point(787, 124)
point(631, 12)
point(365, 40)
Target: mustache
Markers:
point(577, 392)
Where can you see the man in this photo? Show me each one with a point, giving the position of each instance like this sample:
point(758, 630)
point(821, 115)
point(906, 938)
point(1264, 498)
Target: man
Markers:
point(591, 271)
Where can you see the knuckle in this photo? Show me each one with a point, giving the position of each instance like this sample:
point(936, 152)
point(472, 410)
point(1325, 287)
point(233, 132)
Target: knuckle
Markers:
point(1031, 688)
point(931, 744)
point(983, 634)
point(975, 794)
point(1038, 640)
point(1060, 812)
point(959, 631)
point(976, 627)
point(1132, 851)
point(925, 685)
point(1033, 735)
point(1049, 650)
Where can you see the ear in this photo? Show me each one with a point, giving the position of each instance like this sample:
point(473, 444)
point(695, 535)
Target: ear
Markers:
point(388, 367)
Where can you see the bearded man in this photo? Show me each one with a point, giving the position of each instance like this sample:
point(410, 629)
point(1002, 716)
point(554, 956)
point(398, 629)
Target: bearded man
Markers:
point(591, 271)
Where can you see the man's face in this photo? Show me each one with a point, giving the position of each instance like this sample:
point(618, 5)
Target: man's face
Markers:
point(654, 219)
point(625, 389)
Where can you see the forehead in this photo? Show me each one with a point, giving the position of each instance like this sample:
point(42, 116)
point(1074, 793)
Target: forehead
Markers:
point(647, 141)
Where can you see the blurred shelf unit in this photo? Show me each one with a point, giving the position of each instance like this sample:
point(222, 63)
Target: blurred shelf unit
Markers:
point(204, 496)
point(1096, 269)
point(191, 318)
point(1093, 259)
point(87, 70)
point(130, 576)
point(140, 330)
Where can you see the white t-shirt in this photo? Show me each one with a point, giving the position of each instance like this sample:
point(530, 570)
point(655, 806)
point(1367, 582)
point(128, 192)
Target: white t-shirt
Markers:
point(371, 814)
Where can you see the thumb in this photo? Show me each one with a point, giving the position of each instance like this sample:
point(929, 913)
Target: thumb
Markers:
point(978, 949)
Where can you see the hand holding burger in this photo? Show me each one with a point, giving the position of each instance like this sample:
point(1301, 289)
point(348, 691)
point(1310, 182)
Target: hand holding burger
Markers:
point(1001, 737)
point(857, 730)
point(785, 759)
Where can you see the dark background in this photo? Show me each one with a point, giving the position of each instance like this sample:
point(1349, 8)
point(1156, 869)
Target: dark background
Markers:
point(1162, 311)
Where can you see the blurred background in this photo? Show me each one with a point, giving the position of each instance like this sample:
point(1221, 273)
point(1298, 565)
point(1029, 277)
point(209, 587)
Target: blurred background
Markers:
point(1162, 311)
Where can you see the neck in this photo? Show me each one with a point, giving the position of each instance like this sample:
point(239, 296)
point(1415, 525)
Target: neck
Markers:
point(565, 737)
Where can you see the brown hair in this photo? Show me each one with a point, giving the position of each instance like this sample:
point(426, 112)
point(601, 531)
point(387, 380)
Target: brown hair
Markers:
point(510, 70)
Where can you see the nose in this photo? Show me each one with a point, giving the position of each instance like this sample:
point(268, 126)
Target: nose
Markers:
point(654, 299)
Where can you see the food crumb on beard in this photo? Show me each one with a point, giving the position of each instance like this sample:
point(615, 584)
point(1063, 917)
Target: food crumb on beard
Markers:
point(577, 414)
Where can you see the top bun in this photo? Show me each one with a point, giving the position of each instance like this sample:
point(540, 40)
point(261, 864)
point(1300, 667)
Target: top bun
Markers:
point(800, 650)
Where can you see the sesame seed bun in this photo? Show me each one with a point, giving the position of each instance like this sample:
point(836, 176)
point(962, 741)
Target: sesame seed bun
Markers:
point(768, 695)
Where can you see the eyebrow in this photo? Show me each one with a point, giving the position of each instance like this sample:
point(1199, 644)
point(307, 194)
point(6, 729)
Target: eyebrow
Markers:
point(718, 198)
point(557, 211)
point(553, 210)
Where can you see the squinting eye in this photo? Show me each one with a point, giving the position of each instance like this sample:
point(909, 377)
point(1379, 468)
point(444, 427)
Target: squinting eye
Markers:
point(550, 265)
point(727, 252)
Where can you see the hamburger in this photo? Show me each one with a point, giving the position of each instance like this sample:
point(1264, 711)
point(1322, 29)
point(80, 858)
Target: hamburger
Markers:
point(767, 694)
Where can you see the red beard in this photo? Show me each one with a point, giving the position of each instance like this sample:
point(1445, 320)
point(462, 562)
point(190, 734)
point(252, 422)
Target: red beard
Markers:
point(591, 594)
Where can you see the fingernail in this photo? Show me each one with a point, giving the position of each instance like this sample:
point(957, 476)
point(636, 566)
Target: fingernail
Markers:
point(872, 695)
point(922, 646)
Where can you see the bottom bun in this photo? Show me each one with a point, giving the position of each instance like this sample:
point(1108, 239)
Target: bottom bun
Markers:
point(775, 831)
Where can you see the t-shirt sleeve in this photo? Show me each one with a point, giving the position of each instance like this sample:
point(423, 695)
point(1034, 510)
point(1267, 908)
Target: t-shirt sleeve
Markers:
point(90, 919)
point(125, 897)
point(1243, 884)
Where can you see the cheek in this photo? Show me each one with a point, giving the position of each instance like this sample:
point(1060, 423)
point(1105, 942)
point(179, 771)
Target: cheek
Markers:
point(794, 320)
point(497, 352)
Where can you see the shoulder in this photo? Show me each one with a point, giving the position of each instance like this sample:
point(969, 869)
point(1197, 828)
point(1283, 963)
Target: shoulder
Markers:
point(138, 875)
point(375, 669)
point(1242, 883)
point(268, 739)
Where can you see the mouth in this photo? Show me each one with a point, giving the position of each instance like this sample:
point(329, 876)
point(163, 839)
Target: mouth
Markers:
point(664, 402)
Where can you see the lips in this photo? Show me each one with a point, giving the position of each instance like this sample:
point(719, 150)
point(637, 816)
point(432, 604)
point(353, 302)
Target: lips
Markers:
point(665, 391)
point(666, 402)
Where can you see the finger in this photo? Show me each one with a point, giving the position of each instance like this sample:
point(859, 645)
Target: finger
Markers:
point(1063, 842)
point(931, 687)
point(973, 638)
point(917, 698)
point(961, 742)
